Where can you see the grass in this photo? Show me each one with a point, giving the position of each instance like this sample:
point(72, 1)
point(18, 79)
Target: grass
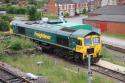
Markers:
point(107, 56)
point(120, 36)
point(54, 72)
point(53, 69)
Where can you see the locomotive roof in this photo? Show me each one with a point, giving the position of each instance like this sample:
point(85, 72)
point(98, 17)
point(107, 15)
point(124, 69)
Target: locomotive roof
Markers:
point(66, 29)
point(76, 26)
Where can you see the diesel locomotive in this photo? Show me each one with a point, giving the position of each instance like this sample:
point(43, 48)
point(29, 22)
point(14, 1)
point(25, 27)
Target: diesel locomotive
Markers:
point(70, 40)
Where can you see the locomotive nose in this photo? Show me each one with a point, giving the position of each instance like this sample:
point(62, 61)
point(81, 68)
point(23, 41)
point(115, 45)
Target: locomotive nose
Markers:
point(90, 50)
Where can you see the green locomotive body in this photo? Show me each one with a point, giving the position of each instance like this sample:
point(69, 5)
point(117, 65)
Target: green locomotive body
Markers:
point(68, 38)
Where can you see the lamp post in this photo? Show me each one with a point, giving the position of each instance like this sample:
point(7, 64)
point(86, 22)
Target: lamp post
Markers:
point(89, 52)
point(89, 69)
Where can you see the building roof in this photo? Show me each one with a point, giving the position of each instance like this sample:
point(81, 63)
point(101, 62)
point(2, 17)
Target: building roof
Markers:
point(70, 1)
point(112, 18)
point(110, 10)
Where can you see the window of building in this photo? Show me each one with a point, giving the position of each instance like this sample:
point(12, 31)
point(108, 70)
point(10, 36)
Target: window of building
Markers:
point(71, 6)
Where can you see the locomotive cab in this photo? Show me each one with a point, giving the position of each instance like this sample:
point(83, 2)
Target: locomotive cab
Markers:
point(90, 43)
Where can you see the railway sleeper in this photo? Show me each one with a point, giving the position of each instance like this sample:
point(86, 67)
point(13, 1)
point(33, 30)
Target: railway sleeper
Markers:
point(17, 80)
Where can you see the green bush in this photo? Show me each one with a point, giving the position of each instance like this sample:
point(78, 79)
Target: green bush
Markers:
point(3, 8)
point(66, 14)
point(38, 15)
point(21, 11)
point(16, 10)
point(6, 18)
point(33, 14)
point(84, 11)
point(15, 45)
point(20, 43)
point(13, 9)
point(4, 25)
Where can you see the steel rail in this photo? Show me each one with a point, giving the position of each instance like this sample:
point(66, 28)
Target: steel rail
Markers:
point(115, 48)
point(108, 72)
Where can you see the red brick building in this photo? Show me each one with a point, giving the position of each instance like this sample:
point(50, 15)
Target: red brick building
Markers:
point(121, 2)
point(60, 7)
point(108, 23)
point(108, 18)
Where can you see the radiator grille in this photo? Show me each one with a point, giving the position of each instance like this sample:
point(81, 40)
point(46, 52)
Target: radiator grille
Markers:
point(90, 50)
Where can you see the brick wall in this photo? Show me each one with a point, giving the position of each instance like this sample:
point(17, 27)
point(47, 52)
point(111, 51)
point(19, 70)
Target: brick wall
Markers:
point(111, 27)
point(52, 8)
point(115, 27)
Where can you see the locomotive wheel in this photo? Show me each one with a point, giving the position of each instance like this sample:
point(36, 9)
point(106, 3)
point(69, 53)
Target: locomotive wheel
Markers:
point(78, 58)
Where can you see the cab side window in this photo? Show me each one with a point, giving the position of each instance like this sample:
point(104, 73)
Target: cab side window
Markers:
point(79, 42)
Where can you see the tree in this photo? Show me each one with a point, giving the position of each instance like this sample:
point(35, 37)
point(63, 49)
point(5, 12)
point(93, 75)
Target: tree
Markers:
point(33, 14)
point(84, 11)
point(6, 18)
point(38, 15)
point(4, 22)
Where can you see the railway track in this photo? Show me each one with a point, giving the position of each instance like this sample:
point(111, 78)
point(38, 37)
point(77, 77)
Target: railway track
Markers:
point(7, 76)
point(108, 72)
point(115, 48)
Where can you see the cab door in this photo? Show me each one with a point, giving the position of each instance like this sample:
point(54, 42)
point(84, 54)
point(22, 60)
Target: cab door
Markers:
point(79, 46)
